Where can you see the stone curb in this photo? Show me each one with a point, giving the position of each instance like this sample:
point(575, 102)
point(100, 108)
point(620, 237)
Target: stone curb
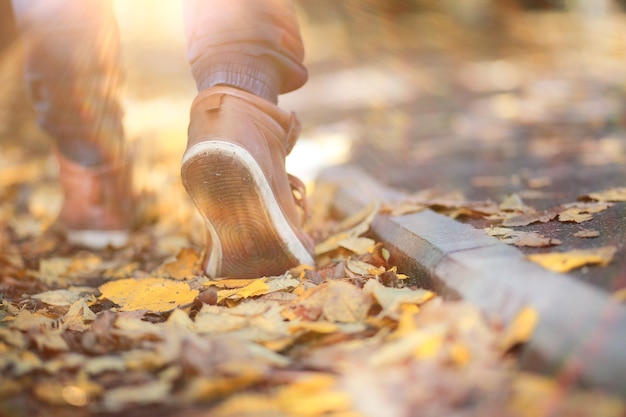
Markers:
point(581, 333)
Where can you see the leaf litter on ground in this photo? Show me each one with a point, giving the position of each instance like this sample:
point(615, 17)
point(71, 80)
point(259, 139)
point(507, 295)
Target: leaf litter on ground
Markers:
point(117, 332)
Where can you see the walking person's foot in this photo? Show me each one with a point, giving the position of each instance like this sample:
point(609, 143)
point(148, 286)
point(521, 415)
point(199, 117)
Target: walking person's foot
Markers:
point(234, 171)
point(98, 203)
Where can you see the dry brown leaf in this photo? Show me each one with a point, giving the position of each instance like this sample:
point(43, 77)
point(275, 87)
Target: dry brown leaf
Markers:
point(353, 226)
point(535, 240)
point(520, 238)
point(566, 261)
point(581, 212)
point(341, 302)
point(531, 217)
point(587, 233)
point(59, 298)
point(52, 270)
point(76, 317)
point(153, 392)
point(612, 194)
point(513, 202)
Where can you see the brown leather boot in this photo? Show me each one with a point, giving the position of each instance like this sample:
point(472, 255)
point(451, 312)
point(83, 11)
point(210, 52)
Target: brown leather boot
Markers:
point(98, 206)
point(234, 171)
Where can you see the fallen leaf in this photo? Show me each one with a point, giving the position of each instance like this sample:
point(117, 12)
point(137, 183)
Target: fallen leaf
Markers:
point(535, 240)
point(611, 194)
point(313, 396)
point(353, 226)
point(513, 202)
point(520, 238)
point(76, 317)
point(186, 265)
point(566, 261)
point(520, 330)
point(52, 270)
point(345, 302)
point(252, 289)
point(357, 245)
point(393, 299)
point(581, 212)
point(118, 398)
point(154, 294)
point(59, 298)
point(531, 217)
point(587, 233)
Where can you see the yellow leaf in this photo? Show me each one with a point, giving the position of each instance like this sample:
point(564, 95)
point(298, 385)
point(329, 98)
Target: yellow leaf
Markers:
point(460, 354)
point(313, 396)
point(246, 404)
point(154, 294)
point(254, 288)
point(429, 347)
point(313, 326)
point(406, 322)
point(231, 282)
point(533, 395)
point(357, 245)
point(521, 329)
point(392, 299)
point(566, 261)
point(186, 265)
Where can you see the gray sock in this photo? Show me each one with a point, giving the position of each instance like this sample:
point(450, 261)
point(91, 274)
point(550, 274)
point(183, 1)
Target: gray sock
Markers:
point(256, 75)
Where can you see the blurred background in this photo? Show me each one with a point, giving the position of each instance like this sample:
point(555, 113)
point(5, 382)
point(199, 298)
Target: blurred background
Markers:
point(391, 81)
point(487, 97)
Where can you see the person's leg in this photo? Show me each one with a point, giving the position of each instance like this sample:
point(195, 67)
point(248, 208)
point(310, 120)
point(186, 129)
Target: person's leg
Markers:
point(243, 53)
point(73, 72)
point(254, 45)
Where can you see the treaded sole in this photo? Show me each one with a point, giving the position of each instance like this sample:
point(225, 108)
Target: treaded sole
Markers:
point(248, 235)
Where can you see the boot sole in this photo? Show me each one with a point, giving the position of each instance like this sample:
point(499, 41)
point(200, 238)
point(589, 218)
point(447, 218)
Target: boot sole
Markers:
point(247, 232)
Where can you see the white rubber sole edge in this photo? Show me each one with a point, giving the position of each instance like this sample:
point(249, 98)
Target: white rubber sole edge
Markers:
point(98, 239)
point(281, 224)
